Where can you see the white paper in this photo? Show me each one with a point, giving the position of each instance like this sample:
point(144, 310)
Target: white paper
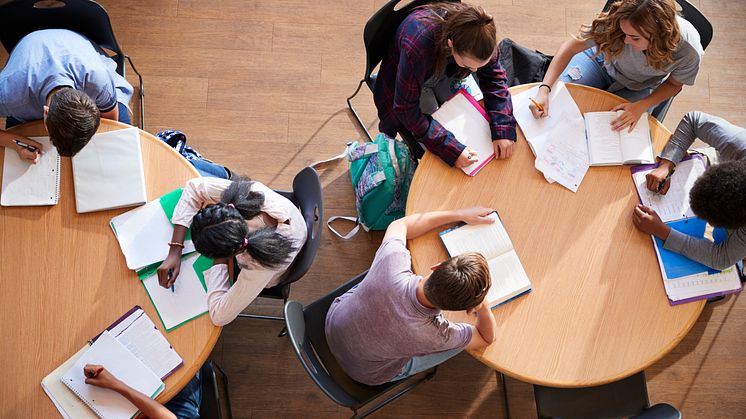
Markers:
point(508, 278)
point(470, 127)
point(148, 344)
point(31, 184)
point(674, 205)
point(66, 402)
point(108, 172)
point(609, 147)
point(490, 240)
point(143, 235)
point(637, 146)
point(188, 299)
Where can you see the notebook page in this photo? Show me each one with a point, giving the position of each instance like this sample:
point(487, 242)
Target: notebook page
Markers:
point(31, 184)
point(636, 146)
point(508, 278)
point(66, 402)
point(604, 147)
point(674, 205)
point(108, 172)
point(187, 301)
point(143, 235)
point(490, 240)
point(110, 353)
point(149, 345)
point(470, 127)
point(702, 285)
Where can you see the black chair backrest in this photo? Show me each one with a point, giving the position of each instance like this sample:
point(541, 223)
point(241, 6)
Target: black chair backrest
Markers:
point(18, 18)
point(308, 196)
point(693, 15)
point(306, 331)
point(623, 398)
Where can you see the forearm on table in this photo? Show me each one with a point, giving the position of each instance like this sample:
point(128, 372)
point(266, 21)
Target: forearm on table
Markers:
point(486, 324)
point(149, 407)
point(716, 256)
point(415, 225)
point(226, 302)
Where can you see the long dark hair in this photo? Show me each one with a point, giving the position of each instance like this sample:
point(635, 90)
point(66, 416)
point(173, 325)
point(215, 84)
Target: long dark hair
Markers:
point(471, 30)
point(220, 230)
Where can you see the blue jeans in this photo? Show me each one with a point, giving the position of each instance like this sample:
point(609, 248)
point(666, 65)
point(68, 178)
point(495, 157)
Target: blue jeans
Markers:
point(185, 405)
point(588, 70)
point(124, 117)
point(207, 168)
point(423, 363)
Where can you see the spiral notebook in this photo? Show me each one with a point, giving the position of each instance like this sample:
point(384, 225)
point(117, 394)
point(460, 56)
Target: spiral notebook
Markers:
point(26, 184)
point(124, 365)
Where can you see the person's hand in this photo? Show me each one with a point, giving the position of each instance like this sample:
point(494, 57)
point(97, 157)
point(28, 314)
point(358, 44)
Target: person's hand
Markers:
point(657, 176)
point(503, 148)
point(467, 158)
point(476, 215)
point(541, 99)
point(648, 221)
point(97, 375)
point(27, 155)
point(480, 308)
point(629, 117)
point(172, 265)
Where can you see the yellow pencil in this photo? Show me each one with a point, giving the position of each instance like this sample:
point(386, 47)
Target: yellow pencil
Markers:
point(541, 109)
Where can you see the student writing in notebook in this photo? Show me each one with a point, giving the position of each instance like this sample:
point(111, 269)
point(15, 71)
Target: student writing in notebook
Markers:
point(640, 50)
point(61, 77)
point(390, 326)
point(440, 44)
point(240, 218)
point(185, 405)
point(718, 196)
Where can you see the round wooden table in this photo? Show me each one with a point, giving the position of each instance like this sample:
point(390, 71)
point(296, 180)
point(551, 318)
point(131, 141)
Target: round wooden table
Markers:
point(598, 311)
point(64, 279)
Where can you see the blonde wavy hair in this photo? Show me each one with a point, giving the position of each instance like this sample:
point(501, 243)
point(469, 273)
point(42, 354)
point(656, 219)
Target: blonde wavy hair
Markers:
point(654, 19)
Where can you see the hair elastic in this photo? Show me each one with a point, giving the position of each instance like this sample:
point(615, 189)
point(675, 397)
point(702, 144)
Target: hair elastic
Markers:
point(231, 205)
point(246, 242)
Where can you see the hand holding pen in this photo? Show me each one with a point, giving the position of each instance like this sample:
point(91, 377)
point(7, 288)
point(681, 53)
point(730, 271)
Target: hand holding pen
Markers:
point(659, 179)
point(28, 149)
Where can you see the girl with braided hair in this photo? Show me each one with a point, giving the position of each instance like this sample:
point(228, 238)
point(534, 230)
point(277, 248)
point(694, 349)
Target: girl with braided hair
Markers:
point(240, 218)
point(434, 48)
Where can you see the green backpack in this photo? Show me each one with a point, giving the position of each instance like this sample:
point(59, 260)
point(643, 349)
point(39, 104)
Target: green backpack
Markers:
point(381, 173)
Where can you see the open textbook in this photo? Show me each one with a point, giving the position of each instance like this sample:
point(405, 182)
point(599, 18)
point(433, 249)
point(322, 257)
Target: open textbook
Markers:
point(509, 279)
point(607, 147)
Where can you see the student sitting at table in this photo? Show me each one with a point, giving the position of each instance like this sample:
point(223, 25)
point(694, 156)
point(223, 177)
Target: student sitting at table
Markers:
point(438, 45)
point(718, 196)
point(185, 405)
point(240, 218)
point(640, 50)
point(61, 77)
point(390, 326)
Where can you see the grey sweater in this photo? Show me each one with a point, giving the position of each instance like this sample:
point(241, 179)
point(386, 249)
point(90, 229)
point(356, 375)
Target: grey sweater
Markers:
point(730, 142)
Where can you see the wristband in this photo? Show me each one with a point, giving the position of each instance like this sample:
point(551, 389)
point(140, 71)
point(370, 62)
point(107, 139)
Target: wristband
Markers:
point(176, 244)
point(547, 86)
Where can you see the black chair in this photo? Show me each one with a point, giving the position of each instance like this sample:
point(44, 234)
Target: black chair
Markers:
point(306, 330)
point(377, 36)
point(624, 398)
point(18, 18)
point(308, 196)
point(211, 407)
point(703, 27)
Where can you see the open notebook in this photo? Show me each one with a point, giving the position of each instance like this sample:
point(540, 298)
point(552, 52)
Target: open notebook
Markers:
point(108, 172)
point(607, 147)
point(31, 184)
point(467, 121)
point(509, 279)
point(120, 362)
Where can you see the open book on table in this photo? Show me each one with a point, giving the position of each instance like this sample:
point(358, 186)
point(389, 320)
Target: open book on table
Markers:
point(509, 279)
point(607, 147)
point(684, 279)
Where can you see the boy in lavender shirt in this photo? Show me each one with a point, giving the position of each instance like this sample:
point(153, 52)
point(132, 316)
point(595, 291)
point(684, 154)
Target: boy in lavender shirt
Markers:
point(390, 326)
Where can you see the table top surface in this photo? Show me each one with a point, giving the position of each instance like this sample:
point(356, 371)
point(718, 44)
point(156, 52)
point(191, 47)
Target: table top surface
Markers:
point(64, 280)
point(598, 311)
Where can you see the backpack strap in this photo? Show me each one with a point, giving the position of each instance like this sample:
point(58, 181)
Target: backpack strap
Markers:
point(350, 234)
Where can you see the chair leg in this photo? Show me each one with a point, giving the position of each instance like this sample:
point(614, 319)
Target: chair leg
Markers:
point(354, 112)
point(142, 93)
point(506, 403)
point(227, 392)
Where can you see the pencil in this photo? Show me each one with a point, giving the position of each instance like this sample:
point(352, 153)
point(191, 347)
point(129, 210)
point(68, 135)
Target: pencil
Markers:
point(541, 109)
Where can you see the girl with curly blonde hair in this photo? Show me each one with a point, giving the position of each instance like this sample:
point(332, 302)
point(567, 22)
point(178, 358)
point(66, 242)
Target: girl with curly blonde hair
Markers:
point(640, 50)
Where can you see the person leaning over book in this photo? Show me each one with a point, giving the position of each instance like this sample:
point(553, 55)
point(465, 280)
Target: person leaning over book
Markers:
point(640, 50)
point(64, 78)
point(185, 405)
point(718, 196)
point(241, 218)
point(438, 44)
point(390, 326)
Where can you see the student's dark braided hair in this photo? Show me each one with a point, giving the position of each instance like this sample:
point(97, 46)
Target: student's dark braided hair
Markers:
point(220, 230)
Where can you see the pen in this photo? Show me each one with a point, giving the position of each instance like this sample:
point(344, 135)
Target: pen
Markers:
point(94, 374)
point(171, 272)
point(666, 179)
point(26, 146)
point(539, 107)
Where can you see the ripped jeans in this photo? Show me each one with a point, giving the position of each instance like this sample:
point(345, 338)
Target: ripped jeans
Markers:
point(588, 70)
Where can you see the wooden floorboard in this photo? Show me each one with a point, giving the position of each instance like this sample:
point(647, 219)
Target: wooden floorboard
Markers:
point(260, 85)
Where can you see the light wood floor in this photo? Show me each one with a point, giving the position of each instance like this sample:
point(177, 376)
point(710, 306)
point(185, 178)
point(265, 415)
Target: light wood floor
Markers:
point(260, 85)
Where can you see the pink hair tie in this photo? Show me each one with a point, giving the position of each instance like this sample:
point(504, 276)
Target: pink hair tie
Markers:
point(245, 242)
point(231, 205)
